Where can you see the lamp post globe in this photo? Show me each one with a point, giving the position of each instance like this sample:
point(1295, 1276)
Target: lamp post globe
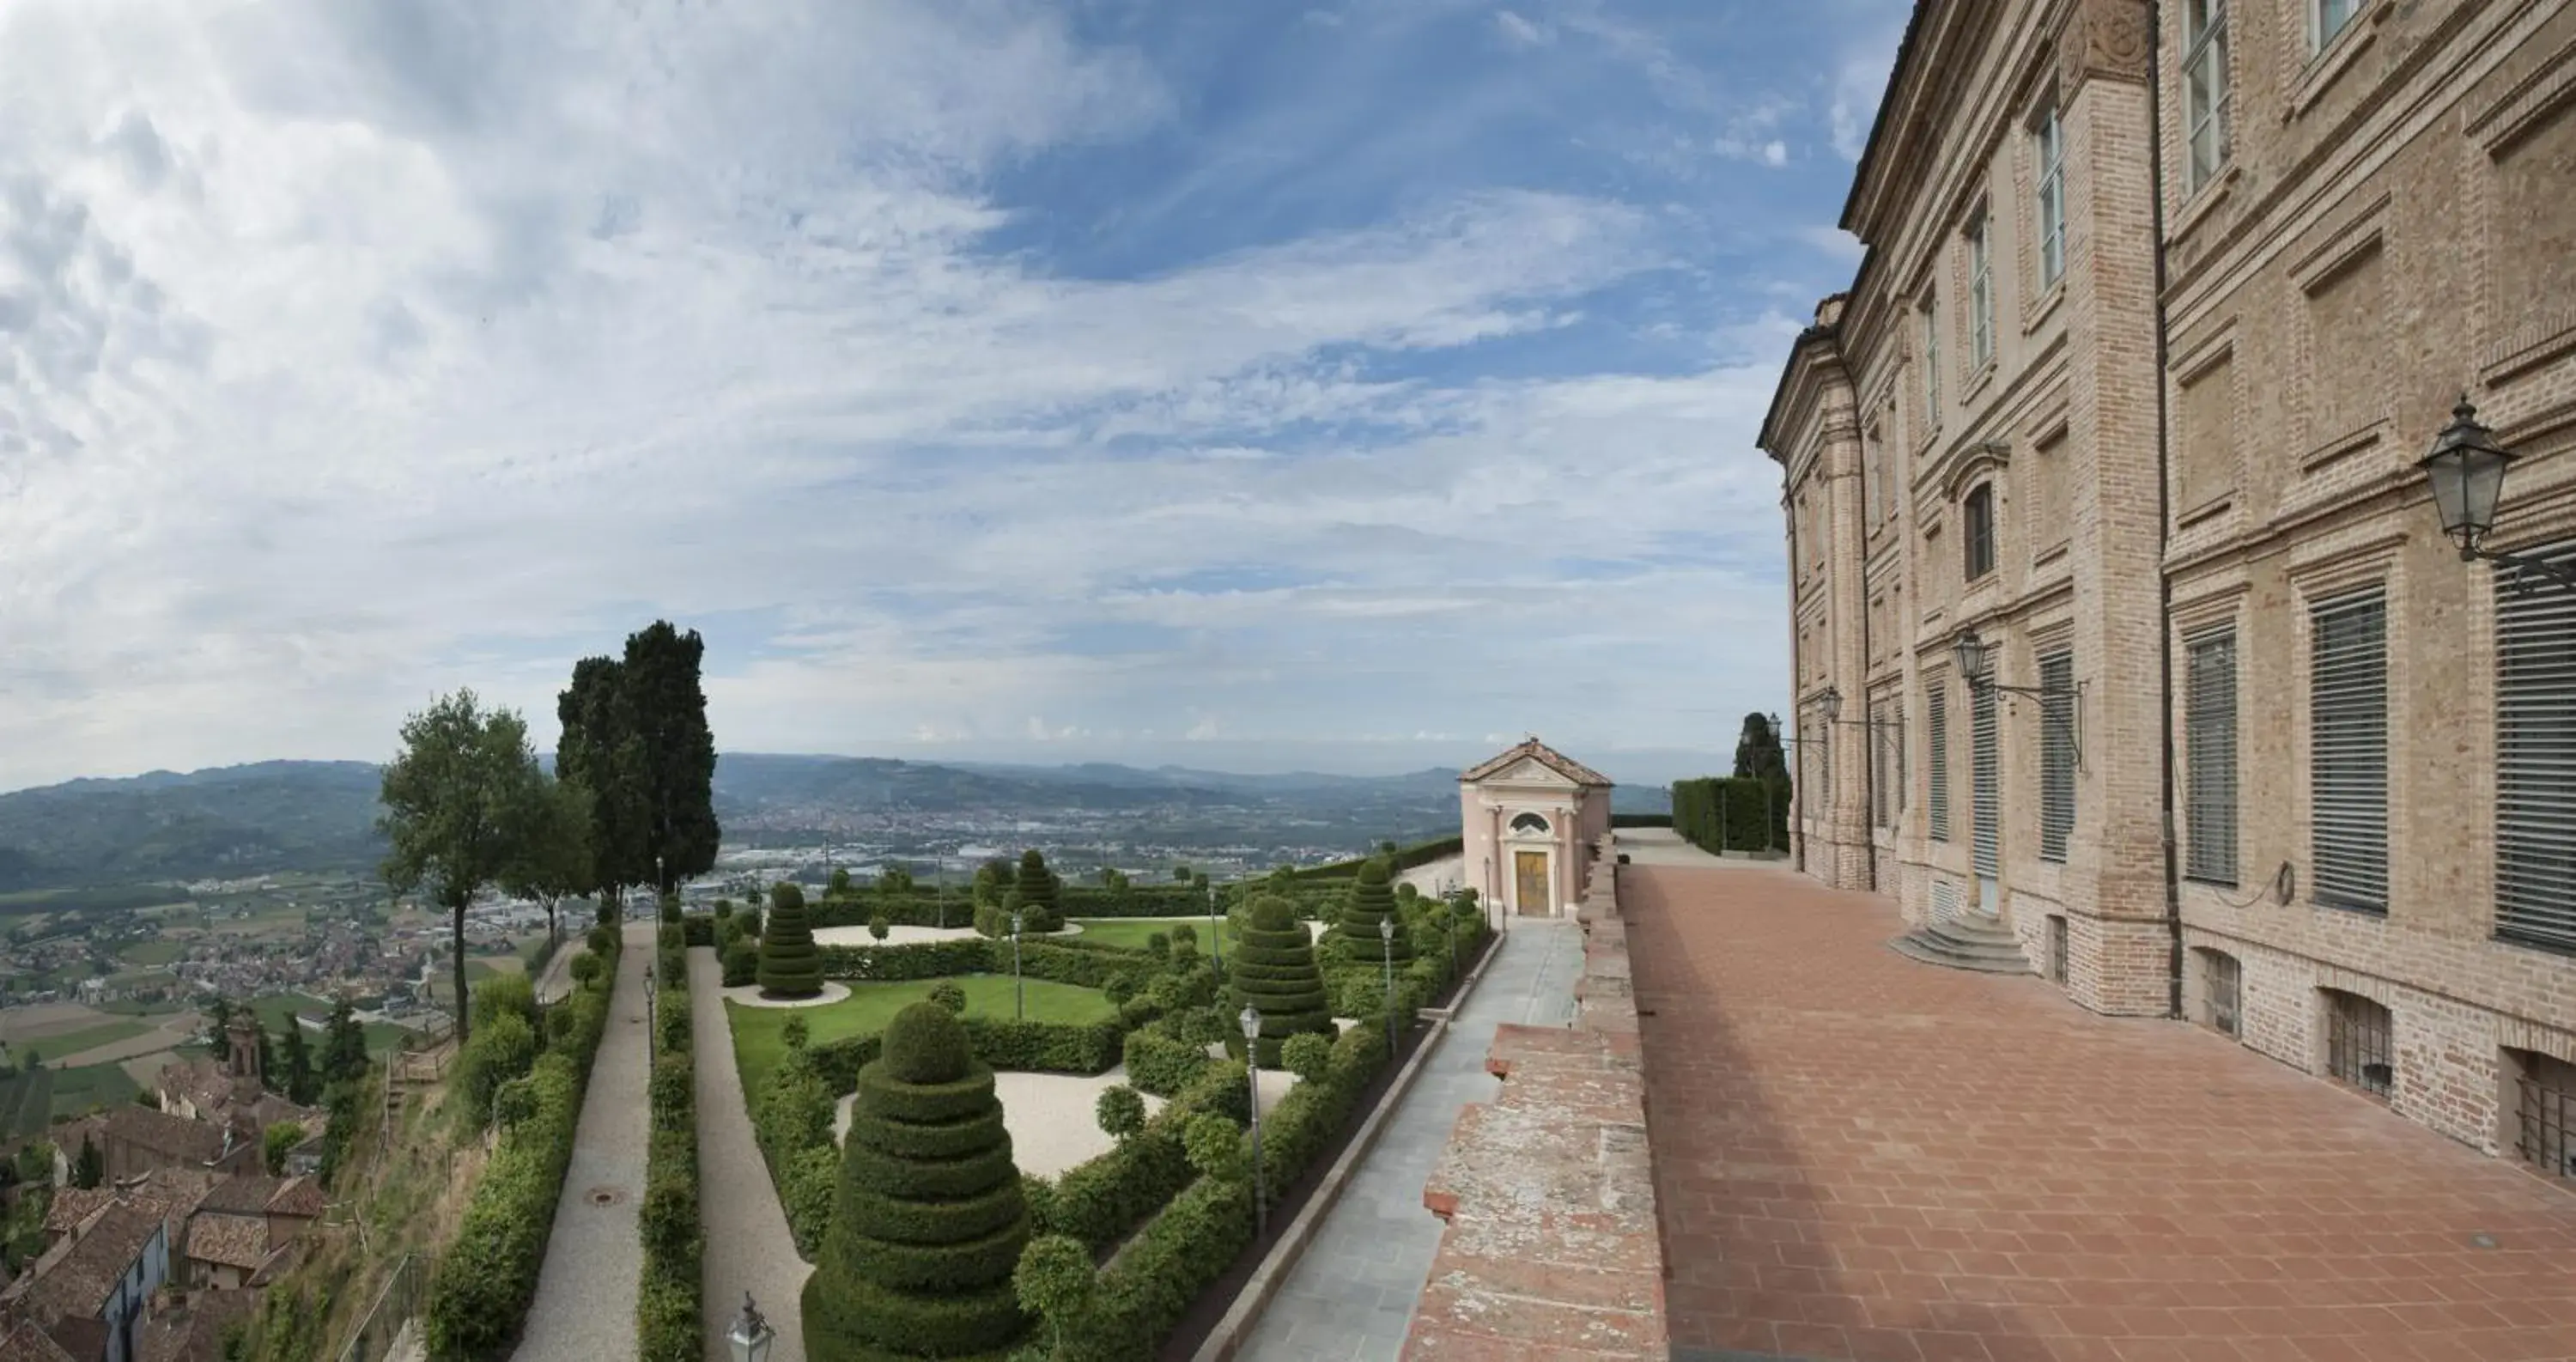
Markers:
point(1019, 990)
point(2466, 468)
point(1386, 943)
point(1968, 653)
point(750, 1336)
point(1251, 1022)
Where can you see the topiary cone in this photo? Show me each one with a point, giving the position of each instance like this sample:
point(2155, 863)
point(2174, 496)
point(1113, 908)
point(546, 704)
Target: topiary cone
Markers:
point(1035, 891)
point(790, 966)
point(929, 1221)
point(1372, 902)
point(1272, 967)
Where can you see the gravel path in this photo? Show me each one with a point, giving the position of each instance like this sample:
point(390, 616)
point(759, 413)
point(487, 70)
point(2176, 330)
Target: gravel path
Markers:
point(1053, 1119)
point(585, 1307)
point(748, 1245)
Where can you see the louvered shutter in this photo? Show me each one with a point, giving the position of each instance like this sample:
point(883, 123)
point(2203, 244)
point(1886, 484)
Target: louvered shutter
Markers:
point(2209, 728)
point(2056, 754)
point(2348, 751)
point(1981, 713)
point(1936, 725)
point(1878, 774)
point(2536, 760)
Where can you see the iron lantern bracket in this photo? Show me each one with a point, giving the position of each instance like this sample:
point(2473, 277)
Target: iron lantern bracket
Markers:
point(2072, 721)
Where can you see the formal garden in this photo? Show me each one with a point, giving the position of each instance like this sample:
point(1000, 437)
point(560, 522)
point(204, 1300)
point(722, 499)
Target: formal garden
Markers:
point(953, 1219)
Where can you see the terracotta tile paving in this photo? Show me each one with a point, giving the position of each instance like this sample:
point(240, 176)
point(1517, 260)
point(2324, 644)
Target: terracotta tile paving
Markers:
point(1862, 1157)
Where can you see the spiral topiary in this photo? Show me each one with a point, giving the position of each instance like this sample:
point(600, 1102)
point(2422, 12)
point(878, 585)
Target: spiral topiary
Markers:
point(1372, 901)
point(790, 966)
point(1033, 892)
point(930, 1218)
point(1273, 968)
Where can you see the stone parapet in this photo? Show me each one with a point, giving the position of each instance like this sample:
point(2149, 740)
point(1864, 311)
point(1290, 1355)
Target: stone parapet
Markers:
point(1552, 1248)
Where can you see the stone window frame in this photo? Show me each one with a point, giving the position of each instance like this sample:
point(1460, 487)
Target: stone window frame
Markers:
point(1977, 236)
point(1928, 314)
point(2313, 604)
point(2324, 28)
point(2208, 52)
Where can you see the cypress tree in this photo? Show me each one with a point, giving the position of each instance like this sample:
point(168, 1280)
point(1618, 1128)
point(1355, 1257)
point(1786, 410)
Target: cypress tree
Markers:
point(929, 1221)
point(1273, 969)
point(790, 967)
point(1372, 902)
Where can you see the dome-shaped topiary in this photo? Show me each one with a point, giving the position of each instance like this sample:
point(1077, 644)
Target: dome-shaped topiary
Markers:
point(925, 1043)
point(1372, 901)
point(790, 966)
point(929, 1219)
point(1272, 967)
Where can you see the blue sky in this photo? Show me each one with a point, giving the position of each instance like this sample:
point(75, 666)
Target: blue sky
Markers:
point(1346, 385)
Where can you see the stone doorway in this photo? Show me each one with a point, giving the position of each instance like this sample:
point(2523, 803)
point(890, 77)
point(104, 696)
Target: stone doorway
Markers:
point(1530, 884)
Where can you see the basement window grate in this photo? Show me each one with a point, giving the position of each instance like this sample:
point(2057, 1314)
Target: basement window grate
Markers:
point(2546, 1116)
point(2056, 949)
point(2357, 1043)
point(2222, 983)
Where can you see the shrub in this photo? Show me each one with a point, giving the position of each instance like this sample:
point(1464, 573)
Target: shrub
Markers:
point(741, 963)
point(750, 918)
point(586, 968)
point(1121, 1113)
point(1274, 970)
point(795, 1031)
point(1122, 986)
point(698, 929)
point(948, 993)
point(789, 964)
point(671, 936)
point(1160, 1062)
point(1371, 902)
point(879, 928)
point(1306, 1056)
point(1046, 1047)
point(912, 960)
point(603, 939)
point(504, 993)
point(1034, 892)
point(1054, 1281)
point(503, 1048)
point(671, 1017)
point(512, 1103)
point(906, 1269)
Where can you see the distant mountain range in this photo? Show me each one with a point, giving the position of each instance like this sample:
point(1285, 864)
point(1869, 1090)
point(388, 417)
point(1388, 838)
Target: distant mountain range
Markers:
point(305, 815)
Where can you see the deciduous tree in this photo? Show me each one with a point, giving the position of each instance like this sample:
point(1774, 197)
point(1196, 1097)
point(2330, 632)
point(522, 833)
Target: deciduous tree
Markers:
point(457, 807)
point(555, 863)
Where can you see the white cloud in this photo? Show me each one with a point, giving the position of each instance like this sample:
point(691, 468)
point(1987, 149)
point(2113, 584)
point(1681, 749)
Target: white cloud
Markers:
point(341, 364)
point(1520, 30)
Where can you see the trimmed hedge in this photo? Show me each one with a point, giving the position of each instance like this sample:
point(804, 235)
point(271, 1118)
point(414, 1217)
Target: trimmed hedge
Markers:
point(668, 1307)
point(1732, 813)
point(1372, 902)
point(1273, 969)
point(698, 929)
point(1405, 858)
point(486, 1278)
point(1103, 1201)
point(908, 1272)
point(1069, 960)
point(789, 964)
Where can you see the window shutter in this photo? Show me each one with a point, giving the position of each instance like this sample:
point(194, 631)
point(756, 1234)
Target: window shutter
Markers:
point(1878, 774)
point(1982, 775)
point(2209, 727)
point(2348, 751)
point(2056, 755)
point(2536, 761)
point(1936, 724)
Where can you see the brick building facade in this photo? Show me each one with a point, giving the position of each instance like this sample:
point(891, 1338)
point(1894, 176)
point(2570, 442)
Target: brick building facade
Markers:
point(2161, 303)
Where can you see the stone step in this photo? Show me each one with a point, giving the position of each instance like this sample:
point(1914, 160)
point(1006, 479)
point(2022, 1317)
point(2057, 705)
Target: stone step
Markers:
point(1972, 941)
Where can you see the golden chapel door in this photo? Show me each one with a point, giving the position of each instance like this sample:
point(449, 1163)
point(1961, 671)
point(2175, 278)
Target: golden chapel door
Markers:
point(1530, 871)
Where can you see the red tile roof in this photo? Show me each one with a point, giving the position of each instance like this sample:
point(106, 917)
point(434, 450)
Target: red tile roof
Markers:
point(1546, 756)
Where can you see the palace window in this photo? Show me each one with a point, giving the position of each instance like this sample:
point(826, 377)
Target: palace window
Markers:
point(1931, 360)
point(2536, 762)
point(2056, 755)
point(2348, 751)
point(2049, 144)
point(1977, 531)
point(2331, 17)
point(1981, 296)
point(1936, 723)
point(2204, 81)
point(2209, 730)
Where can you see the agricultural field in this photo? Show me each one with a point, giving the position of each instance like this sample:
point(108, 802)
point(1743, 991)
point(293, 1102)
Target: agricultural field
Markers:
point(67, 1044)
point(91, 1085)
point(157, 951)
point(26, 1103)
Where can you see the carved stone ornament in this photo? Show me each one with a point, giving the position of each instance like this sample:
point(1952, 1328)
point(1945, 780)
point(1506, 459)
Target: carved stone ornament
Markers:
point(2103, 38)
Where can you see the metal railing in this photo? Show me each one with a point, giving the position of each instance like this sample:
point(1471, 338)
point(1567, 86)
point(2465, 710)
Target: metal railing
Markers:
point(395, 1306)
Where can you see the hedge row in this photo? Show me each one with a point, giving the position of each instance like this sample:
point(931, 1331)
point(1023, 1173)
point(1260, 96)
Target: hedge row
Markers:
point(667, 1302)
point(1103, 1201)
point(1067, 961)
point(1405, 858)
point(922, 905)
point(1641, 820)
point(486, 1278)
point(1732, 813)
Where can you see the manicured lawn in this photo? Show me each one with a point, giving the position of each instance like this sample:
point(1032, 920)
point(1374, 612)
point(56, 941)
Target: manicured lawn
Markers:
point(70, 1043)
point(757, 1031)
point(278, 1009)
point(1132, 931)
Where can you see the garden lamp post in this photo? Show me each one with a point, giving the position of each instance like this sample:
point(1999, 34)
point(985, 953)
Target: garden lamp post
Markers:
point(648, 1006)
point(1251, 1020)
point(750, 1337)
point(1386, 954)
point(1019, 990)
point(2467, 468)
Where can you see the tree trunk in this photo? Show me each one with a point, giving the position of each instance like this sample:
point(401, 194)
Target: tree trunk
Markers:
point(456, 916)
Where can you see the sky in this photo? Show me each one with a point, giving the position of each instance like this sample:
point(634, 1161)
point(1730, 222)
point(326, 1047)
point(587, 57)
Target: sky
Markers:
point(1330, 384)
